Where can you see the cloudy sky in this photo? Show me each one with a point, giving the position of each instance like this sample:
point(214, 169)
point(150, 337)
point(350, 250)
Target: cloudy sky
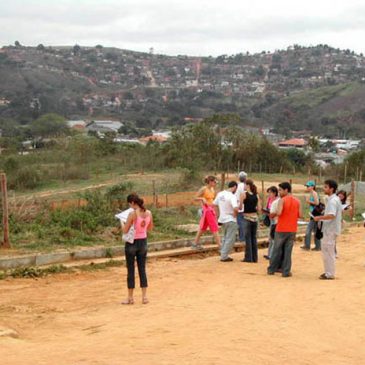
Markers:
point(193, 27)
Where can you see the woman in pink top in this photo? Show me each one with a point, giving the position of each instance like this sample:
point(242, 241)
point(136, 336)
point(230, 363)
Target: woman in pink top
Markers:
point(142, 221)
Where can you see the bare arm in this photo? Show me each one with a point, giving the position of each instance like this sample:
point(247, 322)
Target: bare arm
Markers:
point(150, 225)
point(259, 204)
point(130, 221)
point(242, 198)
point(315, 199)
point(300, 212)
point(279, 209)
point(235, 212)
point(327, 217)
point(199, 196)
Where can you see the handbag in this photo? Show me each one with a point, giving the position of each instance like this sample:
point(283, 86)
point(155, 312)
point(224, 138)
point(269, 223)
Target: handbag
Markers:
point(266, 220)
point(319, 233)
point(318, 209)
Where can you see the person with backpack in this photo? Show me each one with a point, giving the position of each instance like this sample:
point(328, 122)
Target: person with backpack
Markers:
point(313, 201)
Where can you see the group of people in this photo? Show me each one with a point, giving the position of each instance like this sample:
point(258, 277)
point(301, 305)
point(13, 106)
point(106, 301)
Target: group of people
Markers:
point(239, 209)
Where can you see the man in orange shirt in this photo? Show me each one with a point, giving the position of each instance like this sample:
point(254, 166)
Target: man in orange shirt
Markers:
point(288, 212)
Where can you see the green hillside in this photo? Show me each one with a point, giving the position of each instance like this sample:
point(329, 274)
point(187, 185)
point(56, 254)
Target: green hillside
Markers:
point(337, 111)
point(319, 89)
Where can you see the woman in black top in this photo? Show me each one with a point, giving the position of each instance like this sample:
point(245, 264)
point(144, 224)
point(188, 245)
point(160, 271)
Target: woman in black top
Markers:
point(252, 206)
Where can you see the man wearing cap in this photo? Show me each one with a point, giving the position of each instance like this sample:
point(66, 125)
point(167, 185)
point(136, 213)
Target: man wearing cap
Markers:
point(312, 201)
point(242, 176)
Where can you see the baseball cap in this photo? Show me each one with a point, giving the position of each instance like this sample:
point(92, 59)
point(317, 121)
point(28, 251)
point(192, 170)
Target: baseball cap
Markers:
point(310, 183)
point(242, 174)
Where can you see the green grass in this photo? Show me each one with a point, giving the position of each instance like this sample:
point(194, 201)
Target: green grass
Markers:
point(55, 235)
point(74, 228)
point(315, 97)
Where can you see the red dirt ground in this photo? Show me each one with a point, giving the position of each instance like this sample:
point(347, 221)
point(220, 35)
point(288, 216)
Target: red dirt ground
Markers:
point(201, 312)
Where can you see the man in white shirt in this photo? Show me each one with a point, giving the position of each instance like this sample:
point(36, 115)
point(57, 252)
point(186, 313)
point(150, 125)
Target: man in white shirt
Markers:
point(331, 229)
point(228, 209)
point(241, 187)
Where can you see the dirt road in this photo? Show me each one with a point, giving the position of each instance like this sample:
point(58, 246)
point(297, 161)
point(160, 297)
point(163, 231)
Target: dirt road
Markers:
point(201, 312)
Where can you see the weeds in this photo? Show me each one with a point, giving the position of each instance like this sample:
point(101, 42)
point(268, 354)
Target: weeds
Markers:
point(34, 272)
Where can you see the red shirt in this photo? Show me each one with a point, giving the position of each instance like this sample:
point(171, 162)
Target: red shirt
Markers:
point(288, 220)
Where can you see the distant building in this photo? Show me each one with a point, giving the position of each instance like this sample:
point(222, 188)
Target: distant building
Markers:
point(77, 124)
point(4, 102)
point(324, 159)
point(293, 143)
point(103, 126)
point(155, 138)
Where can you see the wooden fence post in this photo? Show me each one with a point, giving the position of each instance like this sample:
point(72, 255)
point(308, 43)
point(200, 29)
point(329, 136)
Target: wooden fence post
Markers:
point(4, 192)
point(223, 180)
point(263, 193)
point(352, 199)
point(154, 193)
point(320, 175)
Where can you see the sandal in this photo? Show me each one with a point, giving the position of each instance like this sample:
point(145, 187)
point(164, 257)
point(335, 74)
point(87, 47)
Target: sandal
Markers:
point(128, 301)
point(145, 300)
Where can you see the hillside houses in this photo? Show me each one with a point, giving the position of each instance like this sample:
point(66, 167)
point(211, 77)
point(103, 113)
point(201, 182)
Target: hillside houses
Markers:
point(264, 71)
point(127, 85)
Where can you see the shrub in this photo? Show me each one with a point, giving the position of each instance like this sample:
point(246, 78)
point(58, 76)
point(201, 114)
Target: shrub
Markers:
point(24, 178)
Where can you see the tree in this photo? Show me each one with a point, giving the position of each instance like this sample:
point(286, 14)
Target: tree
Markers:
point(76, 49)
point(260, 71)
point(17, 44)
point(49, 125)
point(314, 144)
point(41, 47)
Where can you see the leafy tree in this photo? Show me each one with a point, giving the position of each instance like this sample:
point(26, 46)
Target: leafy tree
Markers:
point(49, 125)
point(76, 49)
point(314, 144)
point(260, 71)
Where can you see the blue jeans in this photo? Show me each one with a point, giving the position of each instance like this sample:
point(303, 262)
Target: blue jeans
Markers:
point(281, 256)
point(311, 228)
point(251, 252)
point(271, 238)
point(241, 227)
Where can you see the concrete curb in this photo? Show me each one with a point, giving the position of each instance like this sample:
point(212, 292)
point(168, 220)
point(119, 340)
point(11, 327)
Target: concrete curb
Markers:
point(95, 253)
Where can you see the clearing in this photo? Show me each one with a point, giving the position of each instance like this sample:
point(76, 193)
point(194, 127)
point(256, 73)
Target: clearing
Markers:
point(202, 311)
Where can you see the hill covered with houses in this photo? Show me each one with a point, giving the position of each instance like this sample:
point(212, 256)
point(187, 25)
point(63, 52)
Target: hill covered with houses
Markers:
point(298, 90)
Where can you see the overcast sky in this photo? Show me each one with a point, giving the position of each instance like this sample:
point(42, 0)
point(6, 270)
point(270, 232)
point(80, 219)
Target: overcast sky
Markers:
point(192, 27)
